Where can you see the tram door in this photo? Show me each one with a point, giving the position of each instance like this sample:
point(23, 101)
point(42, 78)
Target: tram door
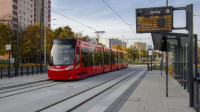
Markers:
point(78, 64)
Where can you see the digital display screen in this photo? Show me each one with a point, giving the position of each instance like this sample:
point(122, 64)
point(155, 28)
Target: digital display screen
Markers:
point(154, 19)
point(63, 46)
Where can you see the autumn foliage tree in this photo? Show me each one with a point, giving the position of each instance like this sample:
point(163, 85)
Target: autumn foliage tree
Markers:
point(7, 35)
point(31, 41)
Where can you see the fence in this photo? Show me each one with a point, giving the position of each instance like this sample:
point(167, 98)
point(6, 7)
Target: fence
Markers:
point(28, 70)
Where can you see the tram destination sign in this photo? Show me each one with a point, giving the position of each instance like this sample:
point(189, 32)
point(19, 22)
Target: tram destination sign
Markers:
point(155, 19)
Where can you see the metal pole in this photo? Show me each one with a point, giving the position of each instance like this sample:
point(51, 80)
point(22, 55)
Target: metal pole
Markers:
point(166, 2)
point(147, 63)
point(167, 74)
point(191, 56)
point(40, 58)
point(162, 63)
point(167, 64)
point(45, 45)
point(17, 60)
point(187, 69)
point(195, 57)
point(139, 50)
point(9, 65)
point(151, 60)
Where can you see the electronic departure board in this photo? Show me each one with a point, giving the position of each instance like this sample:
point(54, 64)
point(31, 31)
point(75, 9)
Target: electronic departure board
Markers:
point(155, 19)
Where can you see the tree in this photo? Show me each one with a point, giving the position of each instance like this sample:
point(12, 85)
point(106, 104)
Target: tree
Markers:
point(117, 47)
point(132, 52)
point(31, 41)
point(67, 33)
point(85, 38)
point(50, 36)
point(58, 31)
point(7, 35)
point(123, 48)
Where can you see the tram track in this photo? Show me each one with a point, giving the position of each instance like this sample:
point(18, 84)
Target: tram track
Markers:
point(23, 88)
point(7, 86)
point(84, 91)
point(27, 90)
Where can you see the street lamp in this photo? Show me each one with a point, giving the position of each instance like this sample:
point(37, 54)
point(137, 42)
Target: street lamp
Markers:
point(17, 61)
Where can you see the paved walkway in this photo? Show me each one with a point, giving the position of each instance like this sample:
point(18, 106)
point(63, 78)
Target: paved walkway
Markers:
point(150, 96)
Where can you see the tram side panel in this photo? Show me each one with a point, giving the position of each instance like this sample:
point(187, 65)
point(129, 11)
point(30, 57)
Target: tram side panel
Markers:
point(91, 58)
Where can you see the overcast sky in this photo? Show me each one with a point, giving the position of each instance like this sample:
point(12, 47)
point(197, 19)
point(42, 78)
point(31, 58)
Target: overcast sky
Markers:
point(97, 15)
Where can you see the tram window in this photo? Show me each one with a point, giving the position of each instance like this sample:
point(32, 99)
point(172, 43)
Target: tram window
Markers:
point(87, 56)
point(84, 56)
point(77, 56)
point(107, 57)
point(113, 57)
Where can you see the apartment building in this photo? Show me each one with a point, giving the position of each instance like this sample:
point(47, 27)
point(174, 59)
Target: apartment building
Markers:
point(46, 12)
point(27, 11)
point(140, 45)
point(114, 41)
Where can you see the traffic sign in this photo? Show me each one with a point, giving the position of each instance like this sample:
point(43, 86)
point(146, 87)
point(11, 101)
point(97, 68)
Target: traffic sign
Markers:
point(150, 52)
point(155, 19)
point(8, 47)
point(149, 47)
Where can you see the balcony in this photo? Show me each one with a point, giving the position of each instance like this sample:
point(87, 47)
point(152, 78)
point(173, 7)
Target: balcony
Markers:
point(15, 7)
point(14, 19)
point(15, 13)
point(16, 1)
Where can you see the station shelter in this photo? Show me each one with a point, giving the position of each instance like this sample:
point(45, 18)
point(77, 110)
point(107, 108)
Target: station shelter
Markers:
point(176, 47)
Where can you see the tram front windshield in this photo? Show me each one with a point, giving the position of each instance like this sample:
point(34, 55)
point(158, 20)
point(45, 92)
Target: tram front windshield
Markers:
point(61, 55)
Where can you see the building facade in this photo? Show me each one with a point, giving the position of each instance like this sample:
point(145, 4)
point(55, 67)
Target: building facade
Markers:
point(27, 11)
point(140, 45)
point(115, 41)
point(46, 12)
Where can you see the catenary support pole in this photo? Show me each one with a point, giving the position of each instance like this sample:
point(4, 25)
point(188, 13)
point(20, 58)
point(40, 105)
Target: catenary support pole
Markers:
point(41, 22)
point(191, 56)
point(167, 74)
point(17, 60)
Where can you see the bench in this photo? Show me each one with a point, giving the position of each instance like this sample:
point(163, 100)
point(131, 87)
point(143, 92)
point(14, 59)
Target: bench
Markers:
point(176, 76)
point(181, 80)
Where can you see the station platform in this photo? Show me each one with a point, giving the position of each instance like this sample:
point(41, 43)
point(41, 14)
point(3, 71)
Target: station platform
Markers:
point(149, 95)
point(22, 80)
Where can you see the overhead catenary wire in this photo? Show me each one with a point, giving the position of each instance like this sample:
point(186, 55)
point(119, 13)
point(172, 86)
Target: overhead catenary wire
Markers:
point(121, 18)
point(74, 20)
point(84, 24)
point(71, 19)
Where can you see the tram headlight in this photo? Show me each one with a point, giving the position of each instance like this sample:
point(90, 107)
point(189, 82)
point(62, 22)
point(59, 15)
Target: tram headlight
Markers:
point(69, 67)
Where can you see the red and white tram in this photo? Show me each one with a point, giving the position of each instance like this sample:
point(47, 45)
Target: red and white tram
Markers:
point(73, 59)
